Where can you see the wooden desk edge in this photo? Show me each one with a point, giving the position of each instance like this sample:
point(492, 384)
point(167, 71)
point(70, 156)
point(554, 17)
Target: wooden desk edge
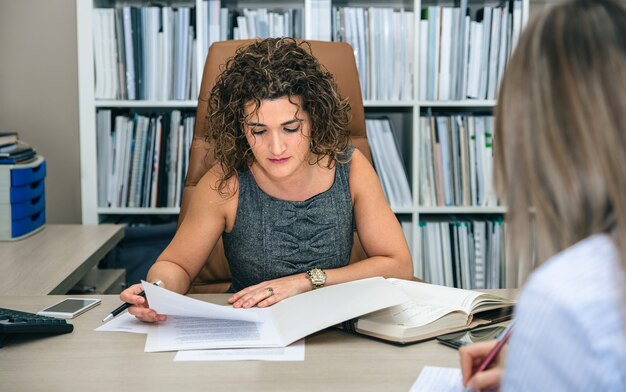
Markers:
point(81, 271)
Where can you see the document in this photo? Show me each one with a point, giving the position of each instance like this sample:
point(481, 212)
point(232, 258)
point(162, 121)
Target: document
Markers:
point(439, 379)
point(190, 333)
point(193, 324)
point(174, 304)
point(293, 352)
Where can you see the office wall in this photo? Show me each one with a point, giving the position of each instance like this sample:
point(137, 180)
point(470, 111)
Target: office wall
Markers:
point(39, 93)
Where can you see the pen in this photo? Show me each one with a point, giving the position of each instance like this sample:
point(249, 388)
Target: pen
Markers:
point(126, 305)
point(505, 335)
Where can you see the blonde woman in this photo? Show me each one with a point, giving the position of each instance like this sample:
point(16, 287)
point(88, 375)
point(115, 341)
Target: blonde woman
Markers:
point(561, 151)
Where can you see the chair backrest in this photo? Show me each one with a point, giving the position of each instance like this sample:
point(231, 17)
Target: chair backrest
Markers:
point(338, 59)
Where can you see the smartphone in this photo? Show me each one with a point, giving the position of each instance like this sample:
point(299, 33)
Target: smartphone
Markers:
point(70, 307)
point(458, 339)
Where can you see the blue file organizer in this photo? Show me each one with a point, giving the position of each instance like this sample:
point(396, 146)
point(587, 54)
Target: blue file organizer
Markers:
point(22, 199)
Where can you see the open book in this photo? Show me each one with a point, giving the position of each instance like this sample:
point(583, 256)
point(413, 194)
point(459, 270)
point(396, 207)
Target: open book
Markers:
point(432, 311)
point(194, 324)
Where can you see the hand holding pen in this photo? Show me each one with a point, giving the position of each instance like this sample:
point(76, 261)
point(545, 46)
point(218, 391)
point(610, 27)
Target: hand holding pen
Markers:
point(134, 300)
point(481, 363)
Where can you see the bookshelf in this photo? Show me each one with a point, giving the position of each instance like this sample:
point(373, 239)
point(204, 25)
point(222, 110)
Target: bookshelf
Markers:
point(405, 109)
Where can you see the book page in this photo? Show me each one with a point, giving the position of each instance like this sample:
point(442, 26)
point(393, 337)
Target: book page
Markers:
point(431, 309)
point(447, 297)
point(439, 299)
point(487, 302)
point(414, 313)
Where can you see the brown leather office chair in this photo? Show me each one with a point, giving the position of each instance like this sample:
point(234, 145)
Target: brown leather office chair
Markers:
point(338, 58)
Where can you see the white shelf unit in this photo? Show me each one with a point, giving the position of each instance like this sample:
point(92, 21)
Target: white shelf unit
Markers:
point(145, 104)
point(404, 114)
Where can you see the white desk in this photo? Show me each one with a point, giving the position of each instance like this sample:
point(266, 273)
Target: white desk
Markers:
point(85, 360)
point(54, 259)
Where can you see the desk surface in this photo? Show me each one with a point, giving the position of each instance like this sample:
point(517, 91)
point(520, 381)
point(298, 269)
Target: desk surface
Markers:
point(53, 260)
point(112, 361)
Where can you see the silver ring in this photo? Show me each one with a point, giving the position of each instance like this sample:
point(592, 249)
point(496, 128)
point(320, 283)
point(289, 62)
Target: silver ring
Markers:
point(271, 291)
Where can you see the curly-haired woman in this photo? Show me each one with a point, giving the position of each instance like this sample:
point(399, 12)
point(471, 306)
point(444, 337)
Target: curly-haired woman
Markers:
point(286, 184)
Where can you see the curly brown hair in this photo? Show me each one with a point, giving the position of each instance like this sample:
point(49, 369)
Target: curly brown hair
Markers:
point(269, 69)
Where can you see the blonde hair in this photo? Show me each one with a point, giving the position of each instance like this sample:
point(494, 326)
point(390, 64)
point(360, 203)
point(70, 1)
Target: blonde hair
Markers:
point(560, 145)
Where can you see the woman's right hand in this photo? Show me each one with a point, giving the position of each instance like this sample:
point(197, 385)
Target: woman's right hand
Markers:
point(139, 305)
point(472, 355)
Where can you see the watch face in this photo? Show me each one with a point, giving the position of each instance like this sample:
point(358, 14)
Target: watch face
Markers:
point(317, 277)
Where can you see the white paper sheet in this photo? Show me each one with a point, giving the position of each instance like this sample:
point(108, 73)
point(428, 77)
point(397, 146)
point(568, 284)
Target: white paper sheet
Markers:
point(191, 333)
point(277, 326)
point(438, 379)
point(126, 322)
point(293, 352)
point(170, 303)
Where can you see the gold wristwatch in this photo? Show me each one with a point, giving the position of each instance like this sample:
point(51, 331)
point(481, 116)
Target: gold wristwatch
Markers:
point(317, 277)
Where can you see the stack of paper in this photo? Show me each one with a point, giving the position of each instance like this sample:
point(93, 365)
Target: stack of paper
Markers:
point(193, 324)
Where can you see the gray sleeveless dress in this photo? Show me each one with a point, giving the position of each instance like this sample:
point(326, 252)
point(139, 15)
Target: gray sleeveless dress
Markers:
point(272, 238)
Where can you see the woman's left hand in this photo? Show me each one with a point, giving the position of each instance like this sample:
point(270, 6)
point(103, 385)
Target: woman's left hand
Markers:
point(268, 293)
